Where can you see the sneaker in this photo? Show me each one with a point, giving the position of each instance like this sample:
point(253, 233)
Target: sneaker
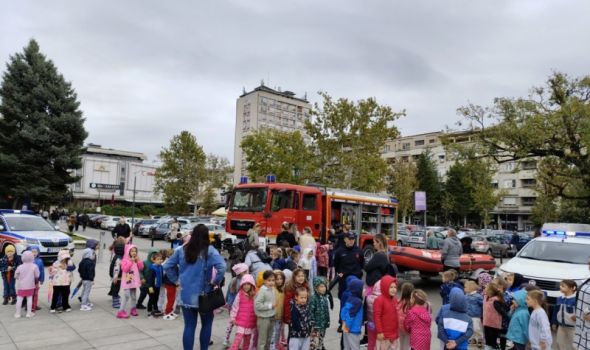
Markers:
point(16, 315)
point(85, 308)
point(122, 314)
point(134, 312)
point(37, 308)
point(140, 307)
point(90, 304)
point(173, 314)
point(169, 317)
point(29, 315)
point(69, 309)
point(156, 313)
point(52, 311)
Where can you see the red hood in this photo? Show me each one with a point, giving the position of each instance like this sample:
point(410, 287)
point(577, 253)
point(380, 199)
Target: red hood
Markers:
point(386, 282)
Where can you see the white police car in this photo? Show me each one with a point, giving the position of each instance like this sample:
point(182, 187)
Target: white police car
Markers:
point(560, 253)
point(23, 228)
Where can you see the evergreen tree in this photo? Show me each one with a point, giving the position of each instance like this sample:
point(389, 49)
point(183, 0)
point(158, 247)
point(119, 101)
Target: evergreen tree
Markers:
point(41, 130)
point(429, 182)
point(459, 188)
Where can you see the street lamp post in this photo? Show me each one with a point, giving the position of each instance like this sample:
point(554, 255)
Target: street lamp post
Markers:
point(133, 207)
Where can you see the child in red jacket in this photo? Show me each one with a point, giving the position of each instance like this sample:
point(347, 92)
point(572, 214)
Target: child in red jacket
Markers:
point(385, 315)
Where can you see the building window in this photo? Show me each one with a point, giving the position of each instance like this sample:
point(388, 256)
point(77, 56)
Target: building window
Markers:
point(406, 146)
point(507, 167)
point(529, 165)
point(528, 201)
point(419, 143)
point(509, 183)
point(405, 159)
point(528, 183)
point(509, 201)
point(431, 141)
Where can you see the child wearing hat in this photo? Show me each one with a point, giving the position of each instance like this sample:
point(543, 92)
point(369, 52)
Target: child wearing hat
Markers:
point(60, 274)
point(233, 289)
point(8, 264)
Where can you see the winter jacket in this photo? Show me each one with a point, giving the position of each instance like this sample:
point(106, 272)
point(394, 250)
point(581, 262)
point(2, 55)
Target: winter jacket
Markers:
point(61, 270)
point(301, 321)
point(451, 252)
point(417, 324)
point(322, 255)
point(385, 311)
point(319, 307)
point(491, 316)
point(27, 273)
point(255, 265)
point(286, 236)
point(376, 268)
point(445, 290)
point(370, 304)
point(147, 263)
point(565, 308)
point(474, 305)
point(130, 278)
point(539, 329)
point(306, 241)
point(278, 264)
point(196, 278)
point(38, 262)
point(121, 230)
point(87, 266)
point(242, 311)
point(264, 302)
point(5, 263)
point(170, 277)
point(352, 312)
point(154, 277)
point(280, 300)
point(348, 280)
point(518, 329)
point(454, 323)
point(349, 261)
point(290, 295)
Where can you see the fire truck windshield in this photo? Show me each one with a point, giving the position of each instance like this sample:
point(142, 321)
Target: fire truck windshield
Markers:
point(249, 199)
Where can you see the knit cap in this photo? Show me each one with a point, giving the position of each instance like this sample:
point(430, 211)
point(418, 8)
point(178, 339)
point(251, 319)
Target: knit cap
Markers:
point(239, 268)
point(10, 249)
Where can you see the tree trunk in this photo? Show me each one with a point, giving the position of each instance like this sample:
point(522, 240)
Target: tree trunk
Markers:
point(465, 221)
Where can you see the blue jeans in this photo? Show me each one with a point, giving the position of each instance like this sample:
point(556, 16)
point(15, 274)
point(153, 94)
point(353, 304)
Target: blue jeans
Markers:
point(9, 290)
point(190, 325)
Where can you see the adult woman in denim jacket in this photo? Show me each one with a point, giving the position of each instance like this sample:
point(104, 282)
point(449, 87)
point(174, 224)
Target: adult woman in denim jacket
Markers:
point(196, 261)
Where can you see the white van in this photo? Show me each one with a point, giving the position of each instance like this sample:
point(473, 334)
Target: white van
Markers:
point(560, 253)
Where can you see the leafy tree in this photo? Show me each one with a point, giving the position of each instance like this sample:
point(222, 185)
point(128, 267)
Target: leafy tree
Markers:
point(218, 170)
point(347, 140)
point(41, 130)
point(403, 183)
point(458, 187)
point(284, 154)
point(483, 194)
point(182, 172)
point(551, 125)
point(209, 202)
point(429, 182)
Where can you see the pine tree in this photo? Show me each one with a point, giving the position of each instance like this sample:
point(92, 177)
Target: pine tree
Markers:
point(41, 130)
point(429, 182)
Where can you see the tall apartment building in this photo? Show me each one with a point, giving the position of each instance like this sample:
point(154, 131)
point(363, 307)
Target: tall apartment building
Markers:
point(517, 179)
point(264, 107)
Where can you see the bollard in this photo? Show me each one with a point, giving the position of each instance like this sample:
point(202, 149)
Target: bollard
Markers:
point(102, 246)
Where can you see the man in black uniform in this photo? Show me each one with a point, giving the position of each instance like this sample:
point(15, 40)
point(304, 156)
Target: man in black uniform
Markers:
point(348, 261)
point(122, 229)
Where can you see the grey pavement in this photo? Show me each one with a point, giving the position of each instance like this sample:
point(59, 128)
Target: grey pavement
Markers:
point(100, 329)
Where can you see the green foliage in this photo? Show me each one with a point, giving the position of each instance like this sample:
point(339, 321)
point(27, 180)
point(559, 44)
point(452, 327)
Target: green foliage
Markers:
point(181, 173)
point(458, 188)
point(551, 125)
point(429, 182)
point(218, 171)
point(347, 142)
point(483, 194)
point(402, 184)
point(284, 154)
point(209, 202)
point(41, 129)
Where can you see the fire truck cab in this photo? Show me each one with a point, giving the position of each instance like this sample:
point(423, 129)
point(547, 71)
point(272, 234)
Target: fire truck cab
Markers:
point(319, 208)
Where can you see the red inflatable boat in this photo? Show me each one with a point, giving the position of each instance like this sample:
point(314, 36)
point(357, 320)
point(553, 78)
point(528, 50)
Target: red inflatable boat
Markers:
point(429, 261)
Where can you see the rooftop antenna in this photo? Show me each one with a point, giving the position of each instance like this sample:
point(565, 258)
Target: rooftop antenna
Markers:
point(243, 90)
point(305, 96)
point(262, 82)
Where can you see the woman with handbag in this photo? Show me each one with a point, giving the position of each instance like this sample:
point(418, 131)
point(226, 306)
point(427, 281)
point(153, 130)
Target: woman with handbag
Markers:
point(201, 270)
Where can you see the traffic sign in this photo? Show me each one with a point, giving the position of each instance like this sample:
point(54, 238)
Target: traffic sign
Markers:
point(104, 186)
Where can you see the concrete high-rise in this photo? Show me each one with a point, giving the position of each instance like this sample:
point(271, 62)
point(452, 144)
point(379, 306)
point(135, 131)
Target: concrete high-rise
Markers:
point(264, 107)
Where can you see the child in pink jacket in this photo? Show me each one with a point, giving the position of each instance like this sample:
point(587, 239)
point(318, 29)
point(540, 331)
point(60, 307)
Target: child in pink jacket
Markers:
point(26, 275)
point(131, 264)
point(418, 320)
point(242, 313)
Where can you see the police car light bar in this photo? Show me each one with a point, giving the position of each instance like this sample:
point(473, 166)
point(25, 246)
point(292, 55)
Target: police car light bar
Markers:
point(565, 233)
point(12, 211)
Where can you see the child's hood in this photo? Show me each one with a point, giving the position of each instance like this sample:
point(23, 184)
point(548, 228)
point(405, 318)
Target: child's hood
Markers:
point(355, 288)
point(385, 284)
point(33, 247)
point(306, 252)
point(422, 314)
point(151, 252)
point(62, 255)
point(350, 278)
point(87, 253)
point(319, 280)
point(377, 289)
point(27, 257)
point(457, 300)
point(128, 248)
point(248, 279)
point(520, 298)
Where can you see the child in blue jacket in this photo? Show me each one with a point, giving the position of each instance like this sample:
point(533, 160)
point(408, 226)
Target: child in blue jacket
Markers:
point(518, 329)
point(352, 315)
point(475, 310)
point(454, 325)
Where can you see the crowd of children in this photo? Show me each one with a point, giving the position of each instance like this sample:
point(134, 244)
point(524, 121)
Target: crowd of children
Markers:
point(289, 306)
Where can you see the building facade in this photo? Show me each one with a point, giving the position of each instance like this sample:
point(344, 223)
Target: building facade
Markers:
point(109, 175)
point(515, 179)
point(264, 107)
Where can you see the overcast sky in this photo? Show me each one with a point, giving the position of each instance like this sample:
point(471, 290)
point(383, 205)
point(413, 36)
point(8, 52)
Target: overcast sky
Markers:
point(145, 70)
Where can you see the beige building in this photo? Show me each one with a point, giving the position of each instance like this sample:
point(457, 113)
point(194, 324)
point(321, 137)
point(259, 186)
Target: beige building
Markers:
point(264, 107)
point(516, 179)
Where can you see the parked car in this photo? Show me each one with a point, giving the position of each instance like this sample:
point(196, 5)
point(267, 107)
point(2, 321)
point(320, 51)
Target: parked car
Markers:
point(418, 239)
point(480, 244)
point(499, 247)
point(95, 221)
point(142, 227)
point(22, 228)
point(160, 231)
point(402, 237)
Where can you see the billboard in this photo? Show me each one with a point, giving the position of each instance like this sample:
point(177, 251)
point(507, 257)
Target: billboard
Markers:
point(420, 201)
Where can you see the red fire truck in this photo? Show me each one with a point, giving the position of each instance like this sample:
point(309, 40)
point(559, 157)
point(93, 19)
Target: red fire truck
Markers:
point(319, 208)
